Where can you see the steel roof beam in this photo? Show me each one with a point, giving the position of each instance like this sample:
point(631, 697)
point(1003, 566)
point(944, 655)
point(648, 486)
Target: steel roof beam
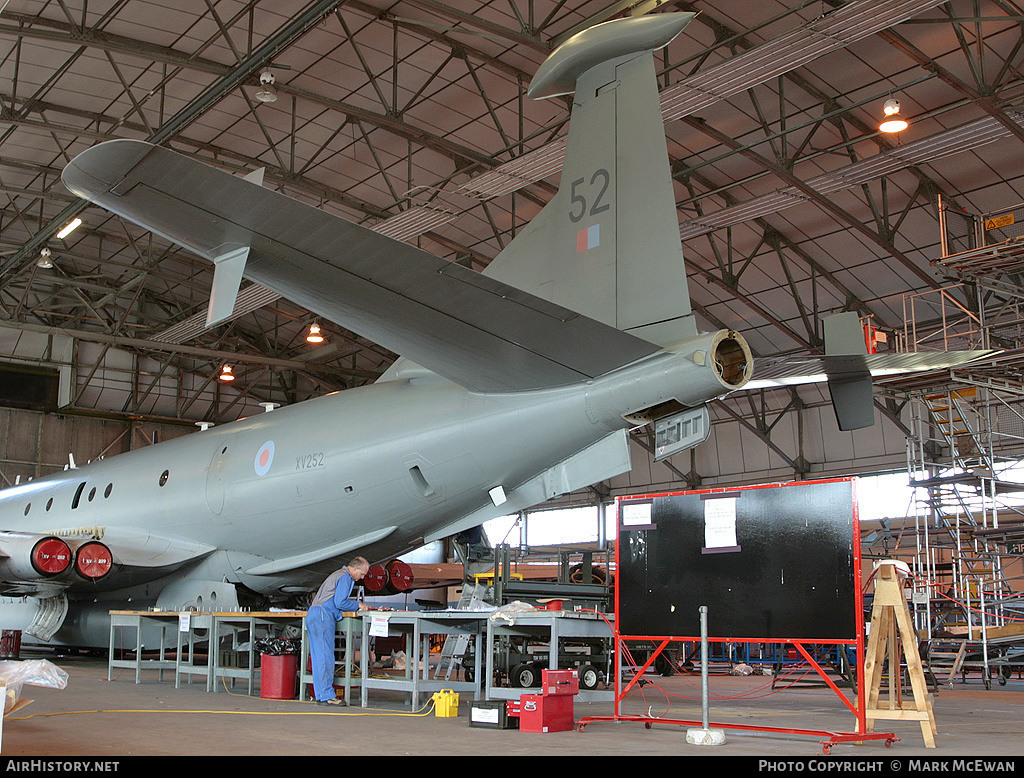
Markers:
point(287, 35)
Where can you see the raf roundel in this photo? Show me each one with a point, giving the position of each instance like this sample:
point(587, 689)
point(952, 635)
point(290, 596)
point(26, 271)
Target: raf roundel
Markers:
point(264, 458)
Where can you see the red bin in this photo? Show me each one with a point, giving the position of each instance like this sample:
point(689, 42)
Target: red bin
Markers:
point(279, 676)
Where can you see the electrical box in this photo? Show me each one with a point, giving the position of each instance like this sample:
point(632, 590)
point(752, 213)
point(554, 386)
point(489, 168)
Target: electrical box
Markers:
point(491, 714)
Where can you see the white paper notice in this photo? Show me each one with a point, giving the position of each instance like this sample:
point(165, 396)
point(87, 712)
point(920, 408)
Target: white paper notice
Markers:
point(636, 514)
point(184, 621)
point(720, 523)
point(379, 626)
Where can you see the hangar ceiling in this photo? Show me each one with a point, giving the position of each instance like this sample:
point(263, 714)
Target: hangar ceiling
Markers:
point(411, 117)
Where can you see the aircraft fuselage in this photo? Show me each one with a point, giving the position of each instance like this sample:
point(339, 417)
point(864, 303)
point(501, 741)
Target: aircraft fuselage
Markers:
point(415, 455)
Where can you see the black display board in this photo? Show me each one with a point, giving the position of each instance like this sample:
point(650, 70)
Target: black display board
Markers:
point(770, 563)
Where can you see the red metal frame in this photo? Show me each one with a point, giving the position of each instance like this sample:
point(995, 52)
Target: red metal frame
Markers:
point(828, 738)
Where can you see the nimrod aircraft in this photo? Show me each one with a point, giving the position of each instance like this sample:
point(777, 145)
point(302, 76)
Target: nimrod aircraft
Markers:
point(515, 385)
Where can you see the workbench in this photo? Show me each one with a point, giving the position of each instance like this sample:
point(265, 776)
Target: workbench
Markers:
point(418, 626)
point(249, 621)
point(348, 626)
point(188, 626)
point(550, 627)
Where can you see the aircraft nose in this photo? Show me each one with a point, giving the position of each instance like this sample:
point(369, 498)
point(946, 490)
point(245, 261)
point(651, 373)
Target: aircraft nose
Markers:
point(98, 170)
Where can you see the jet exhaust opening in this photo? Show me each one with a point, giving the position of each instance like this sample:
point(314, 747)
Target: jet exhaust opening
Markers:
point(93, 560)
point(50, 556)
point(732, 360)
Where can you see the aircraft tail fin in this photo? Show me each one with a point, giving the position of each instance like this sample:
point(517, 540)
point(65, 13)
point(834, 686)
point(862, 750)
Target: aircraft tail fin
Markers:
point(607, 245)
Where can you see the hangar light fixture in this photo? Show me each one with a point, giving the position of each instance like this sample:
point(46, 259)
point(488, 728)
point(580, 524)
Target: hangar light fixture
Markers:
point(893, 122)
point(266, 93)
point(314, 336)
point(226, 374)
point(45, 261)
point(70, 227)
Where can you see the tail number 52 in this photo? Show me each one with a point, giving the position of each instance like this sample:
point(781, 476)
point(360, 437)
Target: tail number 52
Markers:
point(580, 190)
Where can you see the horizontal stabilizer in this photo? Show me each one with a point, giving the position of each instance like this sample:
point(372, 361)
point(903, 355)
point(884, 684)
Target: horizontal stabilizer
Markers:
point(772, 372)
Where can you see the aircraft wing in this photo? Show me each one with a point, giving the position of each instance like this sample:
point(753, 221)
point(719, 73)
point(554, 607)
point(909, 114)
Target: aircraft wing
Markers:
point(474, 330)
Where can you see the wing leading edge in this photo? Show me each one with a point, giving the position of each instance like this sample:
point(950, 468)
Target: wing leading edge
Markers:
point(474, 330)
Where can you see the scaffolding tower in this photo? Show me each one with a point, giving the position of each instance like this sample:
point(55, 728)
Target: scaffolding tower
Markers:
point(966, 435)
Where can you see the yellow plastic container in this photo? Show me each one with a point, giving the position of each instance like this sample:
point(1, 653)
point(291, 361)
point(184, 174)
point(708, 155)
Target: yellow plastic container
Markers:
point(446, 704)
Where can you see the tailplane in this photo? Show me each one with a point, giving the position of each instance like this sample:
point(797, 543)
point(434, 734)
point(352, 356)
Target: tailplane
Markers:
point(607, 245)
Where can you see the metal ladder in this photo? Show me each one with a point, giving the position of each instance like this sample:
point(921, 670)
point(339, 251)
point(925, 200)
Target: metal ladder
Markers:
point(474, 597)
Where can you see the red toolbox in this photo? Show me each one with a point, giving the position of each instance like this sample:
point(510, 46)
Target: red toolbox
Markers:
point(559, 682)
point(551, 710)
point(541, 713)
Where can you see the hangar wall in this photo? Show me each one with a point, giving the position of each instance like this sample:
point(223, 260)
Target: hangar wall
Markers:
point(34, 444)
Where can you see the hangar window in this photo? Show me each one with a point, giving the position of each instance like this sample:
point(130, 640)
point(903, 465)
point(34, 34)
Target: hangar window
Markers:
point(78, 495)
point(23, 386)
point(164, 476)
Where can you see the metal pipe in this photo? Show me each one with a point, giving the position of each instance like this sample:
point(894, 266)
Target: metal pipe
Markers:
point(704, 665)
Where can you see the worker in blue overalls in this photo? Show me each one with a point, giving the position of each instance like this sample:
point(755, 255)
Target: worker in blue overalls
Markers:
point(332, 600)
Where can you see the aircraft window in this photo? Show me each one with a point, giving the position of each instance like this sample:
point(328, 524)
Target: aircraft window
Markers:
point(78, 495)
point(92, 494)
point(107, 491)
point(49, 503)
point(164, 476)
point(28, 508)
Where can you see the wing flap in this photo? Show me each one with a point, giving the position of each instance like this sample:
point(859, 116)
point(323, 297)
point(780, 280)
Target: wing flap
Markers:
point(477, 331)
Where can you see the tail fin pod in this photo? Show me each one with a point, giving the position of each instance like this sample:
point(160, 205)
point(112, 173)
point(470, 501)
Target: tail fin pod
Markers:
point(607, 245)
point(850, 387)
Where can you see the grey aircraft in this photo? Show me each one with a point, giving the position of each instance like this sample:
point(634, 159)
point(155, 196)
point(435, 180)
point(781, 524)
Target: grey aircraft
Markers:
point(515, 385)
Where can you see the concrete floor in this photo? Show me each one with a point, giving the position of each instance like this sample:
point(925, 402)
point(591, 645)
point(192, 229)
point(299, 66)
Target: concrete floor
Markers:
point(97, 717)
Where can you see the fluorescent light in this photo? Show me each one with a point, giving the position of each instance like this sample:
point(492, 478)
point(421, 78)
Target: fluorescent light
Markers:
point(69, 228)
